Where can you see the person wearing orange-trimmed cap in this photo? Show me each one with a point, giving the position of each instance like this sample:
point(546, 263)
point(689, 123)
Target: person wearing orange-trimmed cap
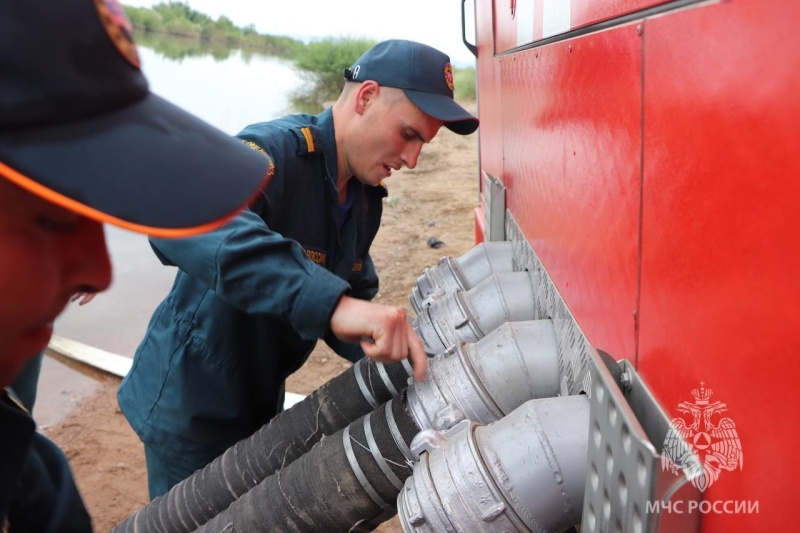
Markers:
point(82, 142)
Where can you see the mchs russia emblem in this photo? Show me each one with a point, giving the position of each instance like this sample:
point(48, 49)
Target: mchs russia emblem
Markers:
point(703, 442)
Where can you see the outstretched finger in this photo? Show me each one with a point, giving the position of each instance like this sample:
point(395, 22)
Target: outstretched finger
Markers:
point(419, 359)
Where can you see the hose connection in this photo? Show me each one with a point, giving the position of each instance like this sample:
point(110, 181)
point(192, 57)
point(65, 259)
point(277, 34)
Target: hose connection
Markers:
point(523, 473)
point(461, 273)
point(468, 316)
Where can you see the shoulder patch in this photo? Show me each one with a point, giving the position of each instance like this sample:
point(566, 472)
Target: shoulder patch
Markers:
point(256, 147)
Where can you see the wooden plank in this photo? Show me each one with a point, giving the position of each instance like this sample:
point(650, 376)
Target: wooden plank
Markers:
point(117, 365)
point(112, 363)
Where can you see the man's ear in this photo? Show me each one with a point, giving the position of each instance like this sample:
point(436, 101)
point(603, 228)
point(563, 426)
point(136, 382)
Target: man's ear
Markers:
point(366, 93)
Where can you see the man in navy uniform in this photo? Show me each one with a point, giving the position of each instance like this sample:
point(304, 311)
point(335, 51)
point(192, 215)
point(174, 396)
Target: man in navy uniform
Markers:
point(246, 309)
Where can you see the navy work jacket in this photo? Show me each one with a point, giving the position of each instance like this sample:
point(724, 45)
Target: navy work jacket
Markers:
point(250, 299)
point(37, 491)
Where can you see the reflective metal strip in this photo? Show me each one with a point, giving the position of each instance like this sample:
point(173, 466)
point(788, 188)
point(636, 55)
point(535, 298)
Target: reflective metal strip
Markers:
point(398, 439)
point(363, 386)
point(351, 458)
point(386, 381)
point(376, 454)
point(408, 367)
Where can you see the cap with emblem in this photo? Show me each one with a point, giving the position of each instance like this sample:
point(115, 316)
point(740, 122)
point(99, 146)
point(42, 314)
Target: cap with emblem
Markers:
point(79, 126)
point(423, 73)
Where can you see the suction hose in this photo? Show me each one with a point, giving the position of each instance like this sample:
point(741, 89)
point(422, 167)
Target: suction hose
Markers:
point(286, 437)
point(350, 481)
point(347, 482)
point(514, 363)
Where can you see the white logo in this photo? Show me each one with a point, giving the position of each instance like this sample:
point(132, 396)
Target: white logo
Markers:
point(713, 442)
point(356, 71)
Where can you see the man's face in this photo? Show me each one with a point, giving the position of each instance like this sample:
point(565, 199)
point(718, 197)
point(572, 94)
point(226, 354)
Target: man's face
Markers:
point(47, 253)
point(391, 133)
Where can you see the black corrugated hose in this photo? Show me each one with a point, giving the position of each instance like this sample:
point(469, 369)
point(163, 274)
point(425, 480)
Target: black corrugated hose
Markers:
point(207, 492)
point(349, 481)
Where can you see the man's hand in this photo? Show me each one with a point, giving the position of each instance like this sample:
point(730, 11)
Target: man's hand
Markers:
point(390, 337)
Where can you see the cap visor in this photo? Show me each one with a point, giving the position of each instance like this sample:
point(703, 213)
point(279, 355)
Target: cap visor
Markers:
point(455, 117)
point(150, 167)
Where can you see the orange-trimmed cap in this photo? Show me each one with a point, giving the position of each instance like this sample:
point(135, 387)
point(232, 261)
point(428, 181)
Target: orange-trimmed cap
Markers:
point(79, 126)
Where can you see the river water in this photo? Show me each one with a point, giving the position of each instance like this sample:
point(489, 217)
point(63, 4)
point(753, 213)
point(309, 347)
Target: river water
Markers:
point(229, 93)
point(228, 90)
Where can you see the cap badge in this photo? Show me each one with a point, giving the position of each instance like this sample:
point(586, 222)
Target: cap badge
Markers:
point(448, 76)
point(119, 29)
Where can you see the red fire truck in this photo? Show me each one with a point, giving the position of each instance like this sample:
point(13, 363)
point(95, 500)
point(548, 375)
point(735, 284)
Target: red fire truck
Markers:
point(644, 159)
point(615, 354)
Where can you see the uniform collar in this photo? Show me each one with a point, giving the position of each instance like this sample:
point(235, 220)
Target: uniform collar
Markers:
point(328, 133)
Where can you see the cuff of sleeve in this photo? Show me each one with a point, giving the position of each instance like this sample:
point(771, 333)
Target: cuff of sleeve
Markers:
point(316, 302)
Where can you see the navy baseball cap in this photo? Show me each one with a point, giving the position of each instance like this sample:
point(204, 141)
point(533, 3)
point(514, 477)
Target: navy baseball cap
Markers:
point(423, 73)
point(80, 128)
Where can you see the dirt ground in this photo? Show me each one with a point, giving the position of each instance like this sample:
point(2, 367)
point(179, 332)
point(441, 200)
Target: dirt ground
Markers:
point(436, 199)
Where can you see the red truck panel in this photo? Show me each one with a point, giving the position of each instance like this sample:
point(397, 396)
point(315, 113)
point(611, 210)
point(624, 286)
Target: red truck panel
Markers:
point(512, 17)
point(658, 176)
point(571, 145)
point(721, 214)
point(489, 108)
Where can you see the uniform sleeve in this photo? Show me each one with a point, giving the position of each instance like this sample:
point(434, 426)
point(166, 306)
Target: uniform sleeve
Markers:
point(346, 350)
point(259, 271)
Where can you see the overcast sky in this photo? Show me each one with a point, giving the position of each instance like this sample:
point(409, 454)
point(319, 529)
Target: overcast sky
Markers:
point(433, 22)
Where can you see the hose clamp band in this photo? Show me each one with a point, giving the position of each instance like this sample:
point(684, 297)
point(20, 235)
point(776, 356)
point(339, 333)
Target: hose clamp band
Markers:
point(363, 385)
point(386, 380)
point(362, 479)
point(398, 438)
point(376, 454)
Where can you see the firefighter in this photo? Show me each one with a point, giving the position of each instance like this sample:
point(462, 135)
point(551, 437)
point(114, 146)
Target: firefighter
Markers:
point(247, 307)
point(82, 142)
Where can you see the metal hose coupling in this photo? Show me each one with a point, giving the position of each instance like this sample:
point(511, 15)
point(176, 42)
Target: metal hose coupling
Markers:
point(523, 473)
point(468, 316)
point(486, 380)
point(461, 273)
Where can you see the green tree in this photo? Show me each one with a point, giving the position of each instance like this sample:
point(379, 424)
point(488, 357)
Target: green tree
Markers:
point(321, 64)
point(179, 10)
point(177, 18)
point(464, 81)
point(144, 18)
point(182, 27)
